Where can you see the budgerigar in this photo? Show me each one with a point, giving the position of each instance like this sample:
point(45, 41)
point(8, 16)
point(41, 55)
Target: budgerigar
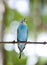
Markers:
point(22, 35)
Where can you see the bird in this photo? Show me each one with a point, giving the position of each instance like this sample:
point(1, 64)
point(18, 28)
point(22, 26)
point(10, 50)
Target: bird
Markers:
point(22, 35)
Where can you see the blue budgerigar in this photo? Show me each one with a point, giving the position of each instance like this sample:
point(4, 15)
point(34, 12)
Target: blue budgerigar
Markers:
point(22, 35)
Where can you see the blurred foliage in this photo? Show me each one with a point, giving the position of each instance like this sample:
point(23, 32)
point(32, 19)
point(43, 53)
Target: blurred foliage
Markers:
point(42, 61)
point(44, 19)
point(12, 58)
point(11, 15)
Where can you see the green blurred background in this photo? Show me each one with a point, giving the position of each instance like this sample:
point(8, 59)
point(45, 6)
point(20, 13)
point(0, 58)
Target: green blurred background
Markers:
point(11, 13)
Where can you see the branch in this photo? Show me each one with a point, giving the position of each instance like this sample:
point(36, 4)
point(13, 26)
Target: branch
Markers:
point(15, 42)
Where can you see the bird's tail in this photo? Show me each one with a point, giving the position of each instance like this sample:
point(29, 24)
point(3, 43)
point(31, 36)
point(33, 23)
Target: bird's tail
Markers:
point(21, 48)
point(20, 55)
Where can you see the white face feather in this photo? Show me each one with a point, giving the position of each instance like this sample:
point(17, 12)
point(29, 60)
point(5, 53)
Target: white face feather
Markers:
point(23, 22)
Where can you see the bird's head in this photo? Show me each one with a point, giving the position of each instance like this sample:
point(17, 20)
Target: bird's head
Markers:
point(23, 21)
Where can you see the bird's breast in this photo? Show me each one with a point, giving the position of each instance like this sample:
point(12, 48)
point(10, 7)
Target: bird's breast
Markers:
point(22, 35)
